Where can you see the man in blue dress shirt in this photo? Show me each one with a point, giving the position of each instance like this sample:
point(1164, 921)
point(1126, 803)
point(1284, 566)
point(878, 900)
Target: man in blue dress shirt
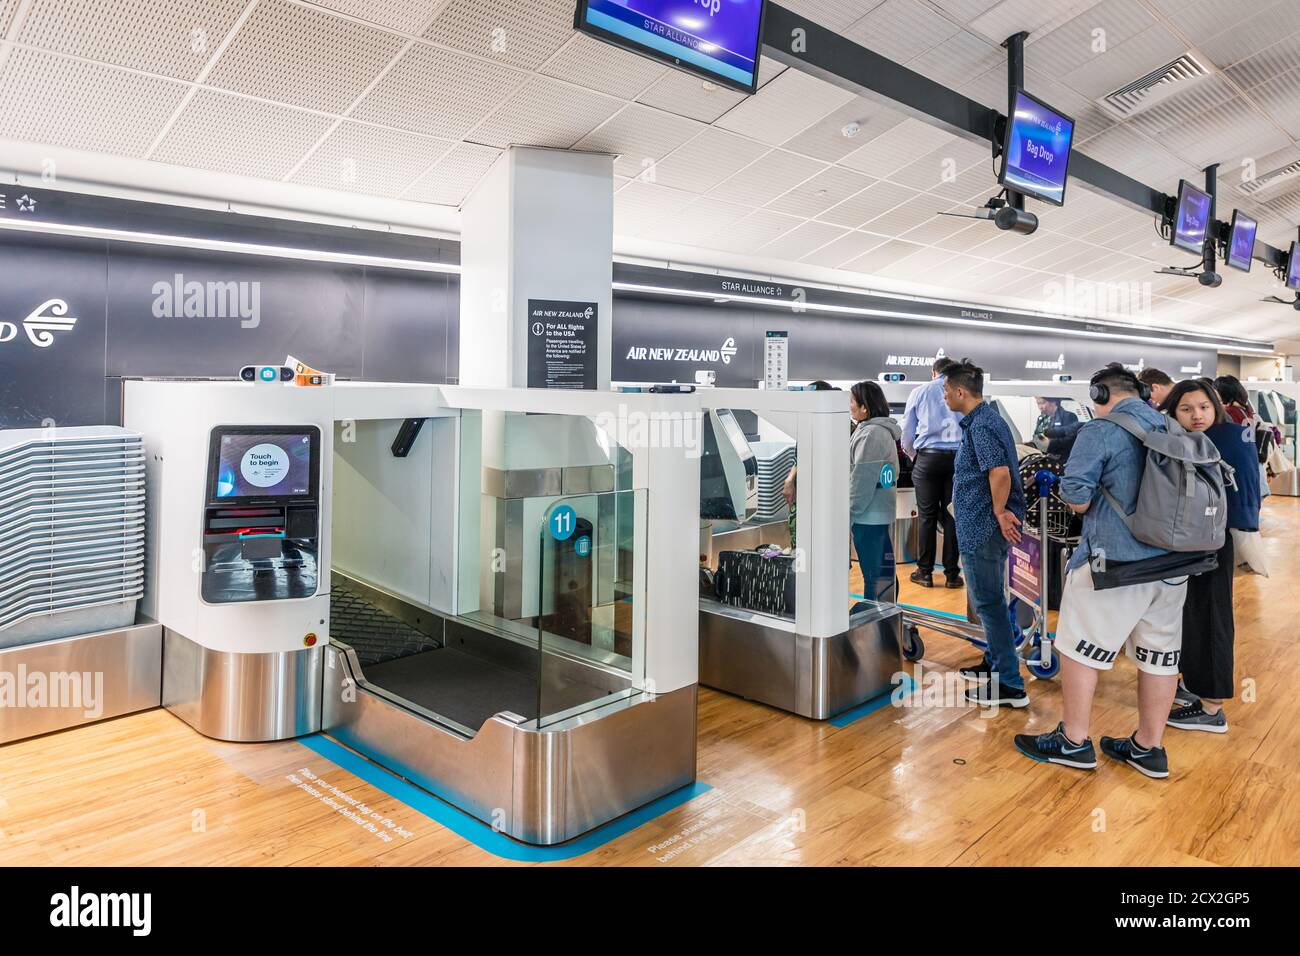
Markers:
point(931, 437)
point(989, 504)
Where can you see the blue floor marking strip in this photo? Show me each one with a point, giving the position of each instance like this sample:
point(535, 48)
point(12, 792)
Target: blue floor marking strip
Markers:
point(479, 833)
point(873, 705)
point(926, 610)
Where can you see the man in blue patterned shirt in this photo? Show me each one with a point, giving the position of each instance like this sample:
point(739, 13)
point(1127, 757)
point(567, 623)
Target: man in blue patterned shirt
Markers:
point(989, 505)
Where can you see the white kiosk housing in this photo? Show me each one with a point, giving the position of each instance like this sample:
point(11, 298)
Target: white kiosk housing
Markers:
point(480, 589)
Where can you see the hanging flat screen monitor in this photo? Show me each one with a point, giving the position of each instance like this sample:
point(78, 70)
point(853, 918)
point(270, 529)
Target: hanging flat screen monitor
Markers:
point(1293, 268)
point(1241, 241)
point(1036, 150)
point(717, 39)
point(1191, 218)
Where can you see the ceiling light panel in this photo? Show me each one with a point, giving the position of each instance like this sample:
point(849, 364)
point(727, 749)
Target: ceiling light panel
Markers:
point(450, 181)
point(603, 67)
point(303, 57)
point(100, 108)
point(707, 160)
point(406, 16)
point(234, 134)
point(902, 29)
point(173, 38)
point(759, 183)
point(368, 159)
point(523, 35)
point(531, 117)
point(788, 105)
point(438, 92)
point(640, 136)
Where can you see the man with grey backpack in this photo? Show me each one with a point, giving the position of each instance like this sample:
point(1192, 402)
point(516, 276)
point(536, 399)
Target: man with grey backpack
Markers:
point(1153, 500)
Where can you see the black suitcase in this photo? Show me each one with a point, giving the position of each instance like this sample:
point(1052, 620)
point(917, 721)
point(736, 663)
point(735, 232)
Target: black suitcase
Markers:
point(756, 582)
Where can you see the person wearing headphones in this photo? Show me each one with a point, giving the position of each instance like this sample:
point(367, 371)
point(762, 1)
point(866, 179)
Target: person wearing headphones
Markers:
point(1145, 619)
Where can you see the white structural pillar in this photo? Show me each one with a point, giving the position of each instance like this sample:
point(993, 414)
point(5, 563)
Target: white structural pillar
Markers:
point(539, 227)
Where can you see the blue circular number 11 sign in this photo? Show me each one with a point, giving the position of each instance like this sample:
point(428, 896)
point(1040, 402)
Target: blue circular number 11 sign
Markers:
point(564, 521)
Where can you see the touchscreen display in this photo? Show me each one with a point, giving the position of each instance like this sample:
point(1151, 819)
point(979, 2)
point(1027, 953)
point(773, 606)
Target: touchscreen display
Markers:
point(264, 466)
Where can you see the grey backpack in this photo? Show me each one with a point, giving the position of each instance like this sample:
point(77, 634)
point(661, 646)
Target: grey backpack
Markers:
point(1182, 502)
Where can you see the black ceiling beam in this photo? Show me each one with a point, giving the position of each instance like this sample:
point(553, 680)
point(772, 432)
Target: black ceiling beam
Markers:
point(799, 42)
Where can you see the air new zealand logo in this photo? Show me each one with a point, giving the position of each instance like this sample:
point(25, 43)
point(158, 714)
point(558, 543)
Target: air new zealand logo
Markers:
point(48, 318)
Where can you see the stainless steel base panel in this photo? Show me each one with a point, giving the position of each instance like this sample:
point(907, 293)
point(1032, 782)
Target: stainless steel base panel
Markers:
point(542, 786)
point(244, 698)
point(54, 685)
point(761, 658)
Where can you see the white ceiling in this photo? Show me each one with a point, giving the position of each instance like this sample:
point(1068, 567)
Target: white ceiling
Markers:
point(410, 101)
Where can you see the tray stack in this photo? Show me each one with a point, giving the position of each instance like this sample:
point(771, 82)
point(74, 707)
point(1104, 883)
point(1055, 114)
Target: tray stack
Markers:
point(775, 459)
point(72, 529)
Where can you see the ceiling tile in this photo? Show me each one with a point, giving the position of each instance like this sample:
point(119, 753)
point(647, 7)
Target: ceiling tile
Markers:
point(437, 92)
point(688, 95)
point(603, 67)
point(708, 159)
point(99, 107)
point(801, 241)
point(896, 148)
point(368, 159)
point(702, 218)
point(824, 190)
point(529, 118)
point(753, 232)
point(834, 14)
point(640, 136)
point(640, 206)
point(411, 17)
point(769, 177)
point(173, 38)
point(1087, 37)
point(789, 104)
point(234, 134)
point(849, 246)
point(303, 57)
point(902, 29)
point(874, 201)
point(1125, 62)
point(451, 180)
point(522, 35)
point(826, 140)
point(883, 256)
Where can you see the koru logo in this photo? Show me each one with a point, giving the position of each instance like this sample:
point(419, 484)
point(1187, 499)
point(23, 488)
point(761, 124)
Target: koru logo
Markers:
point(728, 351)
point(49, 317)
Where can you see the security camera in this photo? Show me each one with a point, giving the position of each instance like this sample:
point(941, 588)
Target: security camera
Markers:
point(1210, 279)
point(1011, 219)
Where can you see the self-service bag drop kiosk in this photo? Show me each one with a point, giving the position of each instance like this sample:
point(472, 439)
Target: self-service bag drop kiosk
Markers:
point(453, 582)
point(819, 657)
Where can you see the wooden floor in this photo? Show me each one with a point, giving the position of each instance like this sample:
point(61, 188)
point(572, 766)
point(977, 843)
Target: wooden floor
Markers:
point(926, 785)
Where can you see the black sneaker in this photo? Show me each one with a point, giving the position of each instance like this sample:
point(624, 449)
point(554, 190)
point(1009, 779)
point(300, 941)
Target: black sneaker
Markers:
point(997, 695)
point(979, 672)
point(1057, 748)
point(923, 578)
point(954, 582)
point(1193, 716)
point(1153, 762)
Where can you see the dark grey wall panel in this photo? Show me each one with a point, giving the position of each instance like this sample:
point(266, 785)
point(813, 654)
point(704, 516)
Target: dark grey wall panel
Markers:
point(407, 317)
point(51, 375)
point(313, 311)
